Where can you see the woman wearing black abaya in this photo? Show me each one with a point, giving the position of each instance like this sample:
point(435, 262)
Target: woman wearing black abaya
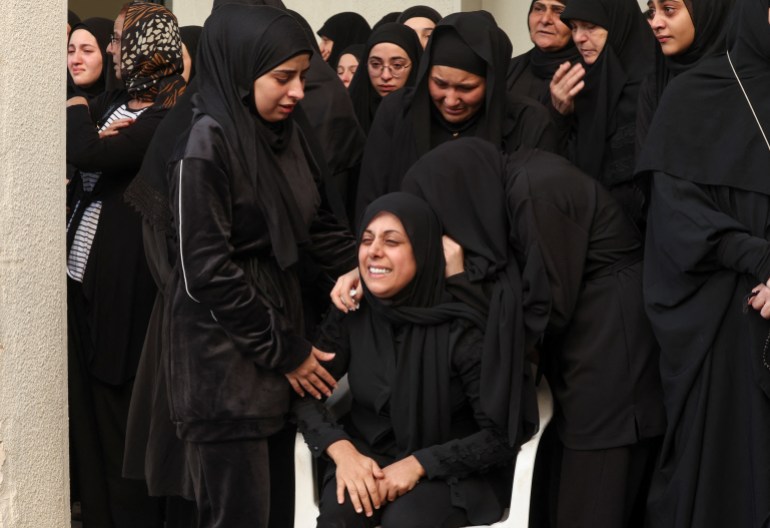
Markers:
point(244, 199)
point(580, 261)
point(707, 258)
point(422, 19)
point(110, 289)
point(420, 448)
point(390, 62)
point(190, 37)
point(530, 74)
point(598, 97)
point(688, 31)
point(460, 91)
point(339, 32)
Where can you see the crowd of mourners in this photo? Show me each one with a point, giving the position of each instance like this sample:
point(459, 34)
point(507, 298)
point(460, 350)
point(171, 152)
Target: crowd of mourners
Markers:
point(255, 211)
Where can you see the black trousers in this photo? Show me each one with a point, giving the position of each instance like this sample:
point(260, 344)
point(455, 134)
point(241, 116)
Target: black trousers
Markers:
point(428, 505)
point(605, 488)
point(231, 482)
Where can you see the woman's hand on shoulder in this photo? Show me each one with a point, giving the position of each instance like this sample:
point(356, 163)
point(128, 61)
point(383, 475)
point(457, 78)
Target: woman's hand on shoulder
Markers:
point(565, 85)
point(312, 377)
point(453, 255)
point(347, 292)
point(358, 474)
point(400, 478)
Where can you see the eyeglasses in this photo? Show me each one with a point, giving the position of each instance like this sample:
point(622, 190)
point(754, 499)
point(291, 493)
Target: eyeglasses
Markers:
point(114, 38)
point(396, 69)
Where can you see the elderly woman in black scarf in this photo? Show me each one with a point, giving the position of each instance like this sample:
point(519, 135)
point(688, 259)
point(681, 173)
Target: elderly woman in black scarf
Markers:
point(110, 289)
point(420, 448)
point(687, 32)
point(422, 19)
point(598, 96)
point(460, 91)
point(390, 62)
point(244, 198)
point(339, 32)
point(530, 74)
point(707, 265)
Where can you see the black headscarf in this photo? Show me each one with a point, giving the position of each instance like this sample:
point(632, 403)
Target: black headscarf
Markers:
point(413, 372)
point(357, 50)
point(543, 64)
point(479, 32)
point(419, 11)
point(609, 99)
point(190, 37)
point(239, 44)
point(704, 130)
point(365, 98)
point(72, 18)
point(344, 29)
point(272, 3)
point(390, 17)
point(100, 28)
point(463, 182)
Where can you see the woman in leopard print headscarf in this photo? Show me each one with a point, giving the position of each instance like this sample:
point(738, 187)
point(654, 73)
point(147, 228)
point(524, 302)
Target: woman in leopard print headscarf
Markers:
point(110, 288)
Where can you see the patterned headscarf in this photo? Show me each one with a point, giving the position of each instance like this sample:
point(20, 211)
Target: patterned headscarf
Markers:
point(151, 54)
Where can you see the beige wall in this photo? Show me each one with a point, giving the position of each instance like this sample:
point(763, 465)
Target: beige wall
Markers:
point(34, 485)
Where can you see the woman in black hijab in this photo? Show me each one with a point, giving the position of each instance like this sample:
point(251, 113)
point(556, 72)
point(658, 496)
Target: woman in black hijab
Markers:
point(460, 91)
point(419, 448)
point(390, 17)
point(390, 62)
point(707, 263)
point(687, 31)
point(89, 66)
point(598, 97)
point(190, 37)
point(530, 74)
point(244, 199)
point(580, 261)
point(422, 19)
point(339, 32)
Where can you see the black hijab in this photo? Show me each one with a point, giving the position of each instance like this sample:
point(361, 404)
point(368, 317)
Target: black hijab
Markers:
point(543, 64)
point(419, 11)
point(463, 182)
point(704, 130)
point(272, 3)
point(365, 98)
point(344, 29)
point(453, 37)
point(100, 28)
point(608, 101)
point(390, 17)
point(410, 374)
point(240, 44)
point(190, 37)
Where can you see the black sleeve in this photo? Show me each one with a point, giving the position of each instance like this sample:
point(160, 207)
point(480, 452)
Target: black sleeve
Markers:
point(332, 245)
point(468, 292)
point(312, 416)
point(482, 450)
point(121, 154)
point(203, 212)
point(532, 126)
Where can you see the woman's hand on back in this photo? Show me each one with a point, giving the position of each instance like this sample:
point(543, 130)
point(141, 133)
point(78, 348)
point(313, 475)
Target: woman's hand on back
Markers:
point(347, 292)
point(312, 377)
point(358, 474)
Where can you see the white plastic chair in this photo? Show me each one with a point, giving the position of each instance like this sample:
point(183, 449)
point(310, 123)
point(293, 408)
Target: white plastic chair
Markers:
point(516, 516)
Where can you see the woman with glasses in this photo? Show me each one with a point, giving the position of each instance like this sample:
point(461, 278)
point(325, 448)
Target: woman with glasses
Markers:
point(460, 91)
point(392, 54)
point(110, 289)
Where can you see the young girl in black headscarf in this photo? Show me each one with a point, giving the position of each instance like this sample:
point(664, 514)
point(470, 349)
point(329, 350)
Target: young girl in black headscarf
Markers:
point(419, 448)
point(707, 265)
point(598, 97)
point(339, 32)
point(244, 200)
point(422, 19)
point(390, 62)
point(110, 288)
point(460, 91)
point(88, 64)
point(581, 295)
point(530, 74)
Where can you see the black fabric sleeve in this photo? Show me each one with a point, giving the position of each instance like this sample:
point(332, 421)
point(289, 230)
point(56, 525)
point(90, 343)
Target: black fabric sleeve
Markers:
point(533, 127)
point(468, 292)
point(480, 451)
point(313, 418)
point(332, 245)
point(202, 206)
point(121, 154)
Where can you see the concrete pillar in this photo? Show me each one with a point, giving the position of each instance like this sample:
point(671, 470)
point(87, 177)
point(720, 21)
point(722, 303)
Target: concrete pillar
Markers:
point(34, 475)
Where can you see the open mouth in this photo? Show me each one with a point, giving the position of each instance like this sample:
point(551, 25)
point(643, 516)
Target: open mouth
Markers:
point(378, 272)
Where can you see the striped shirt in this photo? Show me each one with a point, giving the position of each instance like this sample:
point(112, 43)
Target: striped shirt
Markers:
point(86, 229)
